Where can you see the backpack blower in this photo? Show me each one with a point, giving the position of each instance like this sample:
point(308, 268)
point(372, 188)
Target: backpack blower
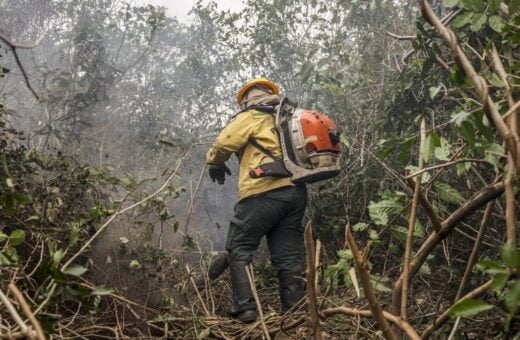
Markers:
point(310, 146)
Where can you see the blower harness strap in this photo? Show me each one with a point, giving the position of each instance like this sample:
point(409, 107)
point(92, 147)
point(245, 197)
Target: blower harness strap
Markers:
point(276, 168)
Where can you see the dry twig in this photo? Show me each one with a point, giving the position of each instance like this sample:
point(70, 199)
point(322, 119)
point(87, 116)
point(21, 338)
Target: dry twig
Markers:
point(411, 226)
point(197, 290)
point(310, 276)
point(474, 252)
point(27, 310)
point(250, 277)
point(375, 307)
point(447, 164)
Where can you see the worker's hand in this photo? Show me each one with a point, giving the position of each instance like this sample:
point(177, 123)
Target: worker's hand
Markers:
point(218, 173)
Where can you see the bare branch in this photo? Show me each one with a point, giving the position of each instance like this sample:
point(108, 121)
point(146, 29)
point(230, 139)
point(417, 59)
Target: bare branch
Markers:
point(447, 164)
point(15, 46)
point(411, 226)
point(512, 110)
point(375, 307)
point(512, 167)
point(482, 197)
point(474, 252)
point(432, 215)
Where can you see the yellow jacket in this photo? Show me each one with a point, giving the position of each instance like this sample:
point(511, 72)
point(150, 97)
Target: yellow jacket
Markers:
point(234, 138)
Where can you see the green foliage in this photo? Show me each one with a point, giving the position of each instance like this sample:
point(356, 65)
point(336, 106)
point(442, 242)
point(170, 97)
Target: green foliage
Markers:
point(431, 142)
point(341, 268)
point(511, 256)
point(468, 308)
point(75, 270)
point(102, 290)
point(447, 193)
point(382, 210)
point(343, 271)
point(505, 284)
point(50, 206)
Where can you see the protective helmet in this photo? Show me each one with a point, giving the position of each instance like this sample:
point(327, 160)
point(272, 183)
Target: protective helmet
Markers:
point(258, 81)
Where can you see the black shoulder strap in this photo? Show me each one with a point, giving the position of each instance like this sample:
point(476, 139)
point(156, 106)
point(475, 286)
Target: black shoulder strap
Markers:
point(265, 151)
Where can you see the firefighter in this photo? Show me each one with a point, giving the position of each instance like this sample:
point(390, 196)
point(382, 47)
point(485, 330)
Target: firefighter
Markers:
point(267, 206)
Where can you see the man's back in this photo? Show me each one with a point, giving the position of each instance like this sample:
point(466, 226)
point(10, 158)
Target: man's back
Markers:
point(236, 137)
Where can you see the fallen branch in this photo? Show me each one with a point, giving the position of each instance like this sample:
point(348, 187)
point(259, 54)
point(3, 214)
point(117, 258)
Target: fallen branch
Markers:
point(18, 335)
point(375, 307)
point(403, 325)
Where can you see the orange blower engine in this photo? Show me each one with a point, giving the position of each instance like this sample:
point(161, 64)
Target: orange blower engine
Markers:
point(310, 143)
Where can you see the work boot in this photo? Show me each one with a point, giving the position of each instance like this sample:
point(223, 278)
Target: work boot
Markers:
point(217, 266)
point(292, 289)
point(243, 305)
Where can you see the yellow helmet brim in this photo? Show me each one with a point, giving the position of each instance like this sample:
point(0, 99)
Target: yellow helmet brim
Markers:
point(258, 81)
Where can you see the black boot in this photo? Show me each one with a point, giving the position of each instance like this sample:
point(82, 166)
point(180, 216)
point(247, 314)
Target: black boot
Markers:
point(243, 306)
point(292, 289)
point(217, 266)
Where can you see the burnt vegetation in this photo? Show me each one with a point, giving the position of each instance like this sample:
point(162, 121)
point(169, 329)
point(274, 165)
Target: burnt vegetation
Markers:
point(107, 218)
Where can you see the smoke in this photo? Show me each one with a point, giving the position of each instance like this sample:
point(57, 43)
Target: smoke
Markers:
point(129, 89)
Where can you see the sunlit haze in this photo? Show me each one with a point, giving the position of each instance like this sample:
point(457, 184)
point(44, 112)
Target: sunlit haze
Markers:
point(180, 8)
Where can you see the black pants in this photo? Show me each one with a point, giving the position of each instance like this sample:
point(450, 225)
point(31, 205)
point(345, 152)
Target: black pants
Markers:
point(278, 215)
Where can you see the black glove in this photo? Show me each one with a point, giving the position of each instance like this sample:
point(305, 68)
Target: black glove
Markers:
point(218, 173)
